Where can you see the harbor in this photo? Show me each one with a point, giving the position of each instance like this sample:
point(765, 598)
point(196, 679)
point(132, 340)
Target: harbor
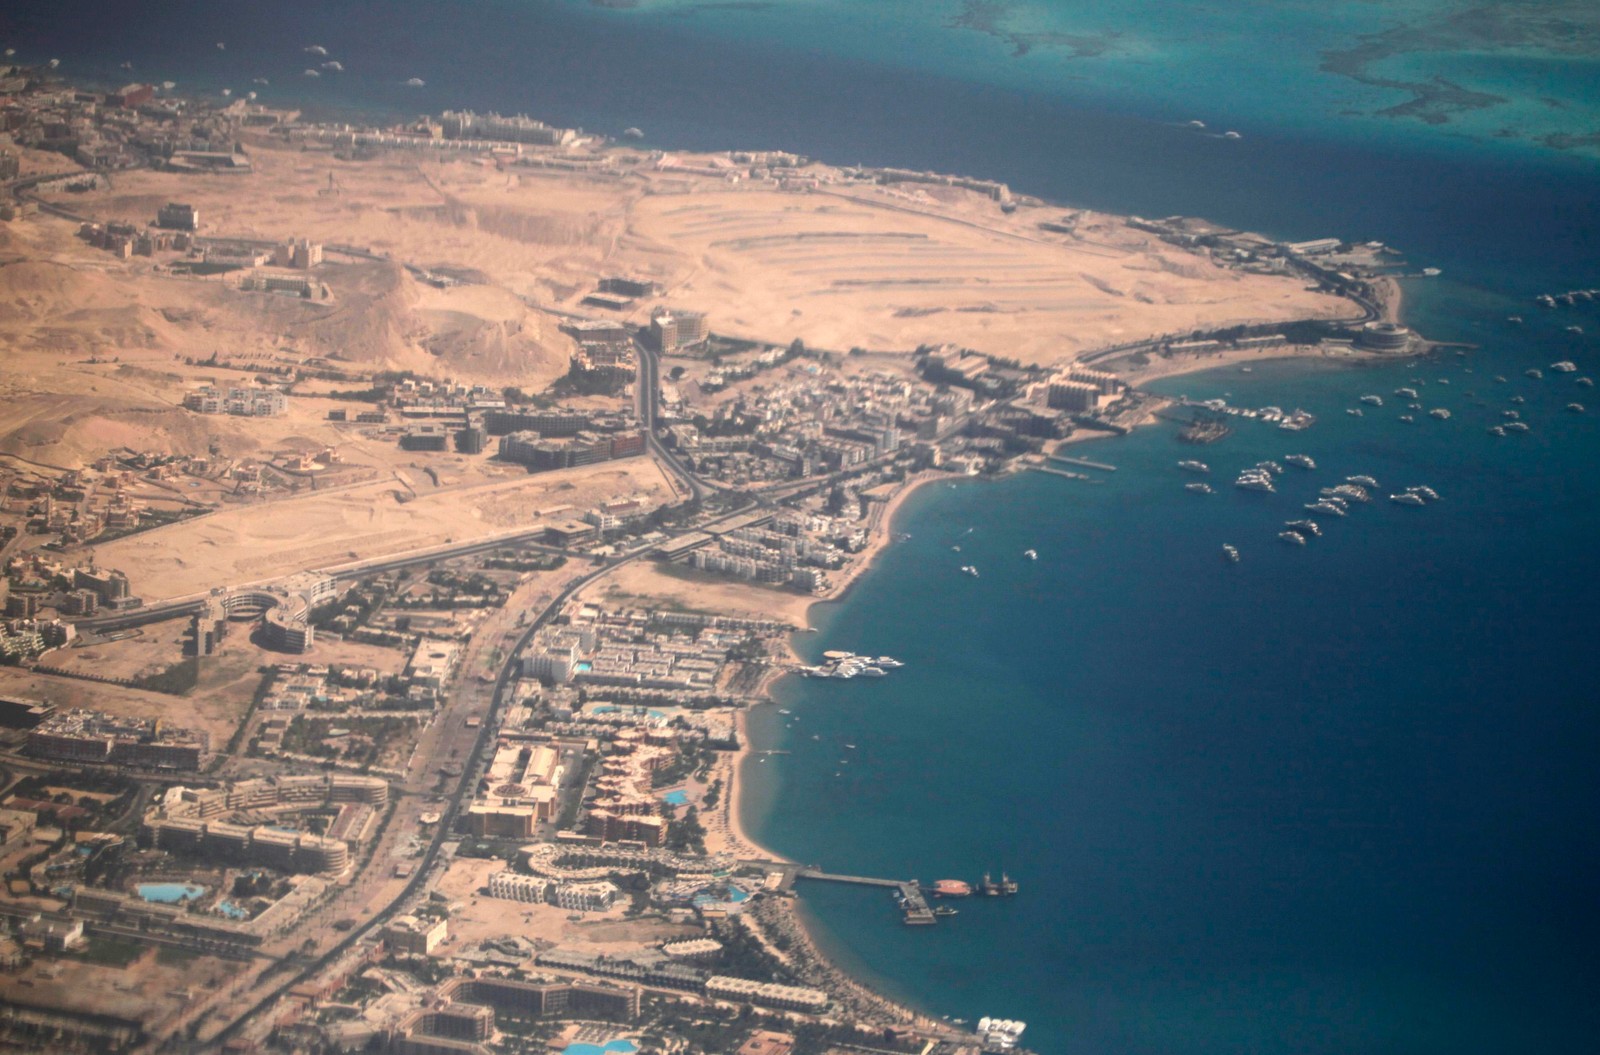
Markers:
point(910, 895)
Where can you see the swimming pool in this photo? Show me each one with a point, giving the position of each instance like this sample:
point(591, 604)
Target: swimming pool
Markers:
point(612, 1047)
point(170, 893)
point(676, 798)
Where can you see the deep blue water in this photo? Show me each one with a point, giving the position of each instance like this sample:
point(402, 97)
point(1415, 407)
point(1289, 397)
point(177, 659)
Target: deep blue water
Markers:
point(1338, 799)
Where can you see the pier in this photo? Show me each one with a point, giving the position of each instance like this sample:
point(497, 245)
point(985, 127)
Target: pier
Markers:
point(913, 903)
point(1059, 472)
point(1083, 462)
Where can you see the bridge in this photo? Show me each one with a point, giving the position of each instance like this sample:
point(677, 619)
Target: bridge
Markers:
point(913, 903)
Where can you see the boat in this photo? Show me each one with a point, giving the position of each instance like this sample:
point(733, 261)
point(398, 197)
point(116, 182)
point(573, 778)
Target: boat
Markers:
point(334, 66)
point(886, 662)
point(632, 133)
point(314, 49)
point(1347, 493)
point(1406, 393)
point(1324, 505)
point(1000, 1034)
point(1271, 467)
point(945, 911)
point(1292, 537)
point(1232, 135)
point(1426, 492)
point(1230, 553)
point(1565, 366)
point(1440, 413)
point(1407, 498)
point(1006, 887)
point(1497, 430)
point(1373, 401)
point(1354, 412)
point(1519, 400)
point(1516, 426)
point(1255, 480)
point(951, 888)
point(1535, 373)
point(1199, 488)
point(1309, 527)
point(1407, 418)
point(955, 549)
point(416, 82)
point(1192, 466)
point(1576, 408)
point(1197, 124)
point(1031, 554)
point(1574, 329)
point(784, 710)
point(1300, 461)
point(1361, 481)
point(967, 569)
point(1510, 415)
point(1586, 382)
point(872, 672)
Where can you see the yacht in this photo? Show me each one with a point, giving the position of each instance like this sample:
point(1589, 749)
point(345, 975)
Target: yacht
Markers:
point(1535, 373)
point(1270, 466)
point(1294, 538)
point(1518, 400)
point(1406, 393)
point(967, 569)
point(1031, 554)
point(1354, 412)
point(886, 662)
point(1199, 488)
point(1407, 418)
point(784, 710)
point(1510, 415)
point(416, 82)
point(872, 672)
point(1300, 461)
point(1190, 465)
point(1323, 505)
point(1497, 430)
point(1440, 413)
point(1408, 498)
point(1586, 382)
point(1346, 493)
point(1565, 366)
point(1255, 480)
point(1576, 408)
point(1372, 401)
point(1516, 426)
point(1361, 481)
point(1500, 378)
point(1230, 553)
point(1306, 527)
point(1426, 492)
point(632, 133)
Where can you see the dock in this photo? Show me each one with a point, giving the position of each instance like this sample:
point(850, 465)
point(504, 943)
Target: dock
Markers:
point(913, 903)
point(1083, 463)
point(1058, 472)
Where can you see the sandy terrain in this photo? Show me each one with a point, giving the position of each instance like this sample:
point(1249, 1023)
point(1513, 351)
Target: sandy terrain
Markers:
point(680, 588)
point(865, 269)
point(216, 712)
point(237, 546)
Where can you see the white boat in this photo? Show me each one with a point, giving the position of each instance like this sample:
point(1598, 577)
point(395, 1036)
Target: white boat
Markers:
point(1535, 373)
point(967, 569)
point(1440, 413)
point(1426, 492)
point(1231, 135)
point(1406, 393)
point(1565, 366)
point(314, 49)
point(1361, 481)
point(1576, 408)
point(1255, 480)
point(784, 710)
point(1199, 488)
point(333, 67)
point(632, 133)
point(1407, 418)
point(416, 82)
point(1354, 412)
point(1372, 400)
point(1309, 527)
point(1230, 553)
point(887, 662)
point(1586, 382)
point(1192, 466)
point(1294, 538)
point(1300, 461)
point(1497, 430)
point(1000, 1034)
point(1406, 498)
point(872, 672)
point(1031, 554)
point(1516, 426)
point(1325, 506)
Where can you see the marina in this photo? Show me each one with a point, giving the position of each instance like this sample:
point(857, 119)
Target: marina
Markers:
point(911, 897)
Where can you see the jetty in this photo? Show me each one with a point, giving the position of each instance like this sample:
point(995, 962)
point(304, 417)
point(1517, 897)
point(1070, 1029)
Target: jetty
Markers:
point(1059, 472)
point(1083, 462)
point(913, 903)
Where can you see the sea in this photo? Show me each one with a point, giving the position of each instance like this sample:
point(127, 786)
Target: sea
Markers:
point(1339, 798)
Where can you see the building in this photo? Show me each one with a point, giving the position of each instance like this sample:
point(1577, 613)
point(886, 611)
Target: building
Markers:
point(675, 330)
point(131, 96)
point(300, 253)
point(91, 736)
point(249, 401)
point(514, 886)
point(464, 124)
point(413, 936)
point(585, 897)
point(767, 994)
point(1073, 396)
point(178, 216)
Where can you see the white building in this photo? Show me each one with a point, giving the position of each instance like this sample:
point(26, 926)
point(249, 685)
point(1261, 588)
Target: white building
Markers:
point(514, 886)
point(585, 897)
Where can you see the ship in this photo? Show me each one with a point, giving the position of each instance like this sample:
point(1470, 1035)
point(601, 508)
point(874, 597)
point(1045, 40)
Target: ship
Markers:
point(1328, 506)
point(1497, 430)
point(1362, 481)
point(1255, 480)
point(1407, 498)
point(952, 888)
point(1373, 401)
point(1000, 1034)
point(1230, 553)
point(1516, 426)
point(1192, 466)
point(1300, 461)
point(1294, 538)
point(1199, 488)
point(1006, 887)
point(1304, 527)
point(1406, 393)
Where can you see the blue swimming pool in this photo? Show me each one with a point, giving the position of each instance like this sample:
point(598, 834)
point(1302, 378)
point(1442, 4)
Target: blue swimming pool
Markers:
point(676, 798)
point(170, 893)
point(613, 1047)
